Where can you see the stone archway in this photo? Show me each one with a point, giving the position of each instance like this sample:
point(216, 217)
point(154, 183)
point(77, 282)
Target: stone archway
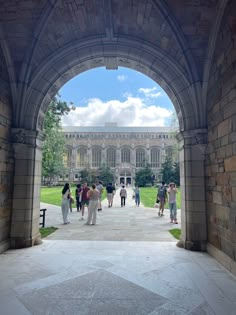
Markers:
point(177, 44)
point(46, 82)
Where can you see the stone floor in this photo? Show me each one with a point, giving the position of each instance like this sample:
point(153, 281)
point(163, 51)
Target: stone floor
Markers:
point(109, 277)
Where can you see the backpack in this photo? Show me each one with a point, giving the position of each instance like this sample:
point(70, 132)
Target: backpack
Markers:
point(161, 192)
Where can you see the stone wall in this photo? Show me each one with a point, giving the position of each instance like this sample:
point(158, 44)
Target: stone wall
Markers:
point(6, 160)
point(221, 150)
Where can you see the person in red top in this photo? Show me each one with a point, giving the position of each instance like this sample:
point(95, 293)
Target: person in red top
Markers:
point(84, 199)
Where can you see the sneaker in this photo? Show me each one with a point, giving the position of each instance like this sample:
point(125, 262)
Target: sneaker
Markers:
point(159, 214)
point(81, 219)
point(176, 222)
point(99, 209)
point(162, 215)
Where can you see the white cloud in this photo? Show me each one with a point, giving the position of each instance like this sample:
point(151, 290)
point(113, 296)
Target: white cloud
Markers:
point(130, 112)
point(122, 77)
point(150, 92)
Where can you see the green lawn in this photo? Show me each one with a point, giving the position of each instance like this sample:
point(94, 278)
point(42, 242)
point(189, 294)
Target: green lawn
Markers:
point(149, 194)
point(47, 231)
point(52, 195)
point(176, 233)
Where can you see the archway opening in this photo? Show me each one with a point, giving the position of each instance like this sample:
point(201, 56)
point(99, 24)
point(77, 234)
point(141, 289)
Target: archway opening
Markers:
point(124, 143)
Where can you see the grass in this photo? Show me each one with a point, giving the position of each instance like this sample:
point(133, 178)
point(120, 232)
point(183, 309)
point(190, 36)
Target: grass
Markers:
point(47, 231)
point(176, 233)
point(52, 195)
point(149, 195)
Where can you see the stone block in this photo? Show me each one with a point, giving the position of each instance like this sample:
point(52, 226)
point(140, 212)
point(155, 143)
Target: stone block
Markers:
point(217, 197)
point(224, 128)
point(234, 194)
point(230, 164)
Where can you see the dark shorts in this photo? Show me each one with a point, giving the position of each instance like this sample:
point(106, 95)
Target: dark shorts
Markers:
point(85, 202)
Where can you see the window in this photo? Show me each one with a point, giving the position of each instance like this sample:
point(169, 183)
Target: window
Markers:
point(155, 158)
point(140, 158)
point(96, 157)
point(82, 157)
point(169, 152)
point(66, 158)
point(111, 157)
point(125, 155)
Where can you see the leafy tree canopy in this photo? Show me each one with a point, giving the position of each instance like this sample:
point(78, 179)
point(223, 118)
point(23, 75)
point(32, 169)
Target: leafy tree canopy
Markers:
point(53, 147)
point(144, 176)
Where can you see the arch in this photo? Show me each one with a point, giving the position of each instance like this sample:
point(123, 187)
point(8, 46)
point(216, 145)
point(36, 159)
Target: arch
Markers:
point(82, 157)
point(131, 53)
point(96, 156)
point(111, 157)
point(140, 157)
point(155, 157)
point(125, 154)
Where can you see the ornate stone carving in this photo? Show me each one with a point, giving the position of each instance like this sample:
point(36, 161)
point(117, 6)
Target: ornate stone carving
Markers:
point(18, 135)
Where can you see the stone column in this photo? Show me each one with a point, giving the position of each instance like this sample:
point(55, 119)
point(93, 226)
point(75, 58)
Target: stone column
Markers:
point(89, 157)
point(192, 145)
point(118, 156)
point(104, 156)
point(27, 145)
point(148, 155)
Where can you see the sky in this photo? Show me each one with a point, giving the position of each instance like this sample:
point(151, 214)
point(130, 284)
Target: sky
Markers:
point(124, 96)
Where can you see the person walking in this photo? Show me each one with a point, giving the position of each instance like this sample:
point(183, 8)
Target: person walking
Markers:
point(172, 192)
point(65, 204)
point(123, 195)
point(84, 199)
point(99, 187)
point(93, 196)
point(78, 193)
point(162, 196)
point(110, 194)
point(137, 195)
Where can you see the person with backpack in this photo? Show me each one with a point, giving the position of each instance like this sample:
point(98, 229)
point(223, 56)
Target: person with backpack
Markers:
point(162, 197)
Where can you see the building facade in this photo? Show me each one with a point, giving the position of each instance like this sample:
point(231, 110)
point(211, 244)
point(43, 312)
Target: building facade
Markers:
point(124, 149)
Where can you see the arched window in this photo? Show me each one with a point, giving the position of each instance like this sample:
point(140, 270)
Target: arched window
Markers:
point(111, 157)
point(155, 158)
point(125, 155)
point(140, 157)
point(67, 158)
point(169, 152)
point(96, 157)
point(82, 157)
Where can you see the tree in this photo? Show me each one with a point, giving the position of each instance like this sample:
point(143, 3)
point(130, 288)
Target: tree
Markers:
point(176, 174)
point(167, 170)
point(106, 175)
point(53, 147)
point(144, 176)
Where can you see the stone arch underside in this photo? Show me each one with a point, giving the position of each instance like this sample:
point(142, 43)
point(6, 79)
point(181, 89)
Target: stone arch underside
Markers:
point(78, 58)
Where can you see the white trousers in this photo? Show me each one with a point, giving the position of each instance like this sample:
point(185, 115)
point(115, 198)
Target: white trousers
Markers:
point(92, 211)
point(65, 205)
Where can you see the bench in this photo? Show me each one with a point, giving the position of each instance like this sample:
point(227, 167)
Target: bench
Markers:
point(42, 215)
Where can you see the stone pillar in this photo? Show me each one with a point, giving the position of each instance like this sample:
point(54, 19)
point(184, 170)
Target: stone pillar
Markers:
point(27, 145)
point(148, 155)
point(72, 164)
point(118, 156)
point(192, 145)
point(104, 156)
point(133, 157)
point(89, 157)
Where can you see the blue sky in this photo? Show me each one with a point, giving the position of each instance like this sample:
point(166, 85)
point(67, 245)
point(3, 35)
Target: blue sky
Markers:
point(124, 96)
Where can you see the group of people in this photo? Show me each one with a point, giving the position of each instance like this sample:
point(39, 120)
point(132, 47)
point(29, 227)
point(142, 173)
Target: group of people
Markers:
point(86, 197)
point(91, 198)
point(162, 193)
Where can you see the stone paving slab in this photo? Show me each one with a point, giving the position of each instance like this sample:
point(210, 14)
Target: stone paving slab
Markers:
point(111, 277)
point(129, 223)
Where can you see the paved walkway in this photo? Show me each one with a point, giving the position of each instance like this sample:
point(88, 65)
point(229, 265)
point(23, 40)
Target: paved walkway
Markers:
point(129, 223)
point(91, 277)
